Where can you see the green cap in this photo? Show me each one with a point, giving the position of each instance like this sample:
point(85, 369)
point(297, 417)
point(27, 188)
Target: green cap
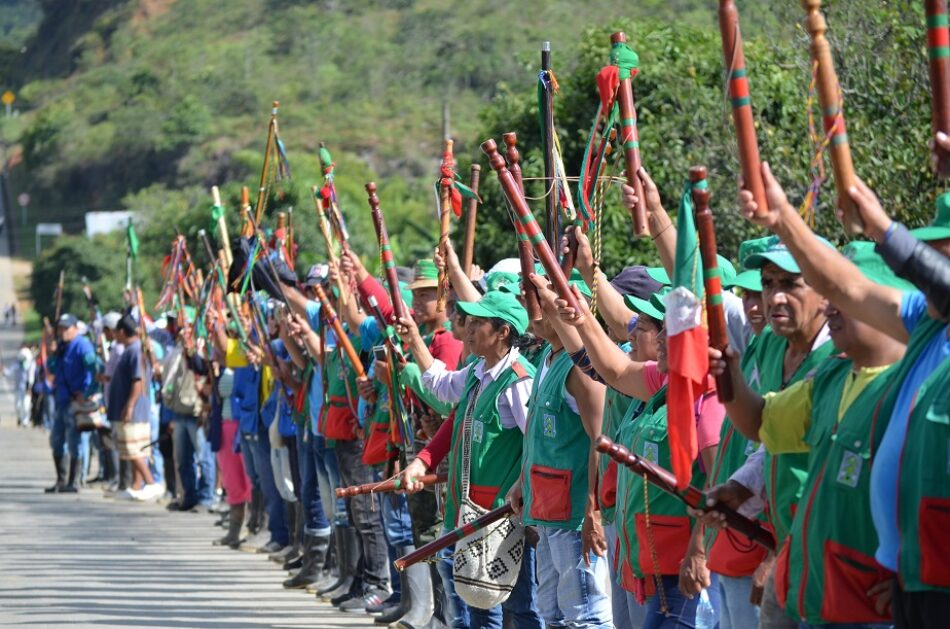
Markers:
point(497, 304)
point(659, 274)
point(939, 229)
point(872, 266)
point(496, 280)
point(750, 247)
point(578, 282)
point(747, 280)
point(778, 254)
point(425, 275)
point(652, 307)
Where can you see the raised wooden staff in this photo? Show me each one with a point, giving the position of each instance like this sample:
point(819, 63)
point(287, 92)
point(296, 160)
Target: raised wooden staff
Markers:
point(247, 230)
point(386, 254)
point(532, 302)
point(738, 82)
point(330, 316)
point(268, 149)
point(630, 140)
point(551, 185)
point(393, 484)
point(60, 287)
point(222, 225)
point(530, 225)
point(938, 51)
point(693, 497)
point(471, 216)
point(445, 216)
point(452, 537)
point(832, 109)
point(712, 277)
point(324, 223)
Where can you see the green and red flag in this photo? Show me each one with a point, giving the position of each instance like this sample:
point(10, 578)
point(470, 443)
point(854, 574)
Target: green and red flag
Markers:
point(687, 341)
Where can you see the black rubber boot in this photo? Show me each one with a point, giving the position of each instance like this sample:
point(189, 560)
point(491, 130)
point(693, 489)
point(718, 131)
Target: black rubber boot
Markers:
point(348, 558)
point(405, 602)
point(62, 463)
point(315, 553)
point(75, 466)
point(235, 524)
point(294, 547)
point(256, 521)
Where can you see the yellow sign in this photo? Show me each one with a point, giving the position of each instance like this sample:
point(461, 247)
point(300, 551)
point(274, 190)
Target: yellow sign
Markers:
point(8, 98)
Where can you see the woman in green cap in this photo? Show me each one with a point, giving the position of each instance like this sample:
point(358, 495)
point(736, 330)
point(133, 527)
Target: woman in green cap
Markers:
point(492, 395)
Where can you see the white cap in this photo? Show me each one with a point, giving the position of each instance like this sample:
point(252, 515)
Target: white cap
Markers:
point(111, 320)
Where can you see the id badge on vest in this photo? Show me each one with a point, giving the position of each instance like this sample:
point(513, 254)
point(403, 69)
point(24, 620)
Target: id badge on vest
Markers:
point(849, 472)
point(549, 425)
point(651, 451)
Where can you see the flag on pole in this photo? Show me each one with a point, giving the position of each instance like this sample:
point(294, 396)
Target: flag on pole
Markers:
point(686, 341)
point(133, 240)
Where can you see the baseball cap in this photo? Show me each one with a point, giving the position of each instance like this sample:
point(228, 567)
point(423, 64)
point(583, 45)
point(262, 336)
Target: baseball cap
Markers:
point(66, 320)
point(652, 306)
point(111, 320)
point(497, 304)
point(939, 228)
point(778, 254)
point(872, 265)
point(635, 281)
point(317, 274)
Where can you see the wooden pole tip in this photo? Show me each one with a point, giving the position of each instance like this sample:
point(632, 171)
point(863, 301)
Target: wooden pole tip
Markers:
point(618, 38)
point(697, 173)
point(371, 187)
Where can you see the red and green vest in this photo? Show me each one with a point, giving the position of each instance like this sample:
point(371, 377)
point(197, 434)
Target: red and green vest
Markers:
point(338, 416)
point(727, 552)
point(495, 457)
point(827, 565)
point(616, 405)
point(376, 447)
point(923, 494)
point(785, 474)
point(556, 450)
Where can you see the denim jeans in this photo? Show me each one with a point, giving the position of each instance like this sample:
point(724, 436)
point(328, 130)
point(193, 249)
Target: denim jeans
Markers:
point(397, 525)
point(157, 461)
point(627, 612)
point(570, 593)
point(328, 474)
point(315, 518)
point(681, 611)
point(65, 439)
point(736, 611)
point(255, 448)
point(190, 444)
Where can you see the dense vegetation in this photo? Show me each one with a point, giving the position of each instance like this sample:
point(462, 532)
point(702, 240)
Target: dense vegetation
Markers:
point(144, 104)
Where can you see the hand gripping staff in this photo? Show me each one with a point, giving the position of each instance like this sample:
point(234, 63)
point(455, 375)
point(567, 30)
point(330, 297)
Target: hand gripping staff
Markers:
point(393, 484)
point(738, 90)
point(386, 254)
point(325, 231)
point(510, 187)
point(330, 316)
point(525, 252)
point(712, 277)
point(629, 138)
point(693, 497)
point(938, 52)
point(453, 537)
point(832, 109)
point(446, 181)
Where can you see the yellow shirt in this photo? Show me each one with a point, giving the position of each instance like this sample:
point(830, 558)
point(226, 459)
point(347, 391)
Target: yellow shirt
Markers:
point(235, 356)
point(786, 417)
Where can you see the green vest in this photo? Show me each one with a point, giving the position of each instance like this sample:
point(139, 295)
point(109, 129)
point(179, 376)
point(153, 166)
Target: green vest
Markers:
point(556, 449)
point(616, 405)
point(729, 553)
point(923, 508)
point(667, 537)
point(495, 450)
point(785, 474)
point(830, 548)
point(341, 395)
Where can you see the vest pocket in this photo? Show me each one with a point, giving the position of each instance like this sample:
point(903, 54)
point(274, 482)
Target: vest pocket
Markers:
point(780, 574)
point(483, 495)
point(607, 491)
point(550, 494)
point(733, 555)
point(376, 448)
point(848, 575)
point(934, 518)
point(340, 424)
point(670, 537)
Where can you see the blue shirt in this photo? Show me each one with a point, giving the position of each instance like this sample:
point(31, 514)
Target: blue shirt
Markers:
point(128, 369)
point(74, 368)
point(884, 473)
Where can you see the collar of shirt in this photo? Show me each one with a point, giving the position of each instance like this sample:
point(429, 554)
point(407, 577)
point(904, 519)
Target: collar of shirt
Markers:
point(496, 370)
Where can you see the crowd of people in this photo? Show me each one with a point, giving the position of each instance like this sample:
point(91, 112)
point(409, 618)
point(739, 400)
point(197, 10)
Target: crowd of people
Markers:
point(835, 437)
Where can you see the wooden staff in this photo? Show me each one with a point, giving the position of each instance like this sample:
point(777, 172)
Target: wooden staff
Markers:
point(453, 537)
point(386, 254)
point(247, 230)
point(325, 231)
point(60, 287)
point(832, 108)
point(666, 481)
point(394, 484)
point(532, 302)
point(330, 316)
point(712, 278)
point(222, 230)
point(445, 218)
point(738, 82)
point(630, 140)
point(268, 149)
point(470, 222)
point(547, 120)
point(530, 225)
point(291, 251)
point(938, 51)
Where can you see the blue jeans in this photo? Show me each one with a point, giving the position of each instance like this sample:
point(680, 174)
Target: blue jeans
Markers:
point(397, 525)
point(315, 518)
point(328, 473)
point(736, 610)
point(255, 448)
point(520, 606)
point(157, 462)
point(681, 611)
point(190, 444)
point(627, 612)
point(65, 439)
point(571, 593)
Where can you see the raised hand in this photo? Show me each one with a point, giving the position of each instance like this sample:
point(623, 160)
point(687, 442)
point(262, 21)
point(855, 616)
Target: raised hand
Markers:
point(554, 304)
point(875, 219)
point(775, 197)
point(406, 328)
point(584, 257)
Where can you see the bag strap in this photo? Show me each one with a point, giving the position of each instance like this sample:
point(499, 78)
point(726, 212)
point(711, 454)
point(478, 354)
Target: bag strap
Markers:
point(466, 437)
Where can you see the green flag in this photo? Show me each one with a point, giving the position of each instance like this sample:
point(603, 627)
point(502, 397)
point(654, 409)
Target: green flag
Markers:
point(133, 240)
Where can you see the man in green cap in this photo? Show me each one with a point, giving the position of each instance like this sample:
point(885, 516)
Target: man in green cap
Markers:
point(909, 487)
point(826, 573)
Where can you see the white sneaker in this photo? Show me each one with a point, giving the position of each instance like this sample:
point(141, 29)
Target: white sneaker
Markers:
point(149, 493)
point(126, 494)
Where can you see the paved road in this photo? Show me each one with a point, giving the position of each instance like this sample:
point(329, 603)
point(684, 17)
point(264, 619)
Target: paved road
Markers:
point(84, 560)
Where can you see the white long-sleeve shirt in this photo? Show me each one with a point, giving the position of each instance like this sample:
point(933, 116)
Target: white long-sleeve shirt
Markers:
point(449, 386)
